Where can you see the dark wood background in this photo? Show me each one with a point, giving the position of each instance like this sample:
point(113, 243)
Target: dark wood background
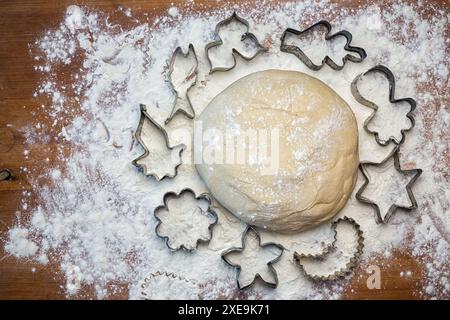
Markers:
point(21, 23)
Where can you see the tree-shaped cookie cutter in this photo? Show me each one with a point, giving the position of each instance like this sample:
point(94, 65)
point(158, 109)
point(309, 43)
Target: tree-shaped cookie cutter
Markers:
point(350, 265)
point(295, 50)
point(391, 79)
point(219, 41)
point(147, 171)
point(188, 113)
point(204, 196)
point(247, 230)
point(359, 195)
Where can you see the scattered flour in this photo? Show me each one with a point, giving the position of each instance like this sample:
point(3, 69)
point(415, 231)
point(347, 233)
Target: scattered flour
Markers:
point(173, 11)
point(95, 216)
point(18, 243)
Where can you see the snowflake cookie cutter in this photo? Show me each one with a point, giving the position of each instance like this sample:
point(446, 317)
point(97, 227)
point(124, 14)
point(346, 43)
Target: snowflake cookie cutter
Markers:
point(391, 79)
point(296, 51)
point(189, 113)
point(350, 265)
point(247, 35)
point(204, 196)
point(359, 195)
point(247, 230)
point(138, 135)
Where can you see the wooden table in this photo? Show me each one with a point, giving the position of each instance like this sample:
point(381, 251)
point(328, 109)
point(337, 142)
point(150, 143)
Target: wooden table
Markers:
point(21, 23)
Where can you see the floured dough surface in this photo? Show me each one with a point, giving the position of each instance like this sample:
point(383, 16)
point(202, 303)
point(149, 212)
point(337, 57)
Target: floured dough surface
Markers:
point(305, 164)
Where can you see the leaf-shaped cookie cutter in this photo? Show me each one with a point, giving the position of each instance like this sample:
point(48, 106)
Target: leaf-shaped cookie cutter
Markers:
point(147, 172)
point(359, 195)
point(327, 60)
point(247, 230)
point(391, 79)
point(204, 196)
point(191, 113)
point(169, 275)
point(219, 41)
point(350, 265)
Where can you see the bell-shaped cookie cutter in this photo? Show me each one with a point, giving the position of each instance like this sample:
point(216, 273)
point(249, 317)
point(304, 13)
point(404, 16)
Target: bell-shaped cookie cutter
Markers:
point(296, 51)
point(391, 79)
point(359, 195)
point(147, 171)
point(219, 41)
point(247, 230)
point(190, 113)
point(350, 265)
point(204, 196)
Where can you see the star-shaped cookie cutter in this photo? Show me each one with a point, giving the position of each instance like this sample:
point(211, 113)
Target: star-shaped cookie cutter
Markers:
point(188, 113)
point(203, 196)
point(219, 41)
point(350, 265)
point(391, 79)
point(250, 229)
point(359, 195)
point(327, 60)
point(138, 133)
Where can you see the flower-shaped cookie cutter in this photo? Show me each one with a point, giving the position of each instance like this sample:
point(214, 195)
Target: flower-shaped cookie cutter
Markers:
point(190, 113)
point(359, 195)
point(205, 197)
point(247, 35)
point(250, 229)
point(138, 162)
point(391, 79)
point(296, 51)
point(350, 265)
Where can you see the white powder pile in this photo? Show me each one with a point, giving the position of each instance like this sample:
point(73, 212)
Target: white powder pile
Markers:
point(95, 217)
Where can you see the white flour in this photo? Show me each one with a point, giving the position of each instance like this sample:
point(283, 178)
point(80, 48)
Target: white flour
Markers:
point(95, 219)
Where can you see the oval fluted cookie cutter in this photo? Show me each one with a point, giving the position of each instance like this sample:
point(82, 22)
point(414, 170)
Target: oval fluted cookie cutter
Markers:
point(234, 51)
point(391, 79)
point(350, 265)
point(204, 196)
point(170, 276)
point(247, 230)
point(359, 195)
point(296, 51)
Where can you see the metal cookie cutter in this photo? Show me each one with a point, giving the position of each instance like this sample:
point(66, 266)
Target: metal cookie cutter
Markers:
point(204, 196)
point(359, 195)
point(149, 281)
point(391, 79)
point(269, 264)
point(351, 264)
point(162, 136)
point(183, 104)
point(327, 60)
point(219, 41)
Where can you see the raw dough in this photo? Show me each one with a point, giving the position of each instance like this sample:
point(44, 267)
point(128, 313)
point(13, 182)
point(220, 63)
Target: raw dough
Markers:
point(317, 150)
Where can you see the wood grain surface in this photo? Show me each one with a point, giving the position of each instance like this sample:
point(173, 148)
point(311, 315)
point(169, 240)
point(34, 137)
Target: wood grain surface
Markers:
point(21, 23)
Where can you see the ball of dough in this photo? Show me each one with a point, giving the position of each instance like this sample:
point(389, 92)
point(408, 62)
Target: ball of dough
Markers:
point(305, 164)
